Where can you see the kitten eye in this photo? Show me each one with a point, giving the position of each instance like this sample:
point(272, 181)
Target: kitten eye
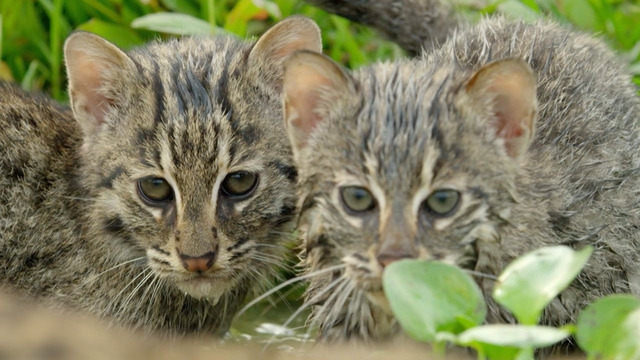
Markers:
point(155, 190)
point(442, 202)
point(239, 183)
point(357, 198)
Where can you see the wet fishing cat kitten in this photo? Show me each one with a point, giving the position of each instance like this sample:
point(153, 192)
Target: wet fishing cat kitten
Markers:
point(507, 138)
point(167, 197)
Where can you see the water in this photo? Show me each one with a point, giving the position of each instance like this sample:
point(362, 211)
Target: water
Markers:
point(262, 324)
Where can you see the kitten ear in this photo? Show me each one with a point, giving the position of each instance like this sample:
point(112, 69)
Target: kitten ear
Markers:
point(510, 87)
point(312, 82)
point(93, 66)
point(283, 39)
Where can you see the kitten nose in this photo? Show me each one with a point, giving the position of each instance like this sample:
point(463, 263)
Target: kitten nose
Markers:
point(386, 259)
point(198, 263)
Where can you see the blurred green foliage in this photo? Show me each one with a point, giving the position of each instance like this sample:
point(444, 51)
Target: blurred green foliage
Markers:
point(32, 31)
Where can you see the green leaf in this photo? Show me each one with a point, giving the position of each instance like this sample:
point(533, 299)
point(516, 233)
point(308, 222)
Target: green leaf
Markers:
point(5, 72)
point(105, 11)
point(494, 352)
point(29, 76)
point(510, 342)
point(173, 23)
point(429, 297)
point(120, 35)
point(580, 13)
point(0, 36)
point(529, 283)
point(610, 328)
point(240, 16)
point(517, 336)
point(270, 7)
point(345, 42)
point(517, 10)
point(182, 6)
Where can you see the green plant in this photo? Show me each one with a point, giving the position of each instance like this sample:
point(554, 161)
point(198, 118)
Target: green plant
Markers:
point(32, 32)
point(439, 304)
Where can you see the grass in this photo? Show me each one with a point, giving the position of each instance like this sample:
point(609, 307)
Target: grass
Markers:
point(32, 31)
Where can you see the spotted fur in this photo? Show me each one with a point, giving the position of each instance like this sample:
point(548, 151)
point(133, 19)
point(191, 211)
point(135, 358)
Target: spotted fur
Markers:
point(75, 231)
point(402, 130)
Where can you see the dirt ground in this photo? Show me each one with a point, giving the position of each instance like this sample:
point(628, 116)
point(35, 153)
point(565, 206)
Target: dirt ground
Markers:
point(29, 332)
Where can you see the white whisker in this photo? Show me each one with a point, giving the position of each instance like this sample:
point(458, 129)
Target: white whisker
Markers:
point(93, 277)
point(331, 305)
point(323, 308)
point(306, 305)
point(281, 297)
point(115, 298)
point(271, 260)
point(337, 309)
point(479, 274)
point(132, 294)
point(82, 199)
point(287, 283)
point(279, 247)
point(276, 263)
point(268, 255)
point(154, 294)
point(353, 308)
point(147, 291)
point(339, 282)
point(260, 279)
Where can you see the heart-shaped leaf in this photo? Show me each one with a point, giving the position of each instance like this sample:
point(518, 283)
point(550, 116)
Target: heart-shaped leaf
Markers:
point(610, 328)
point(530, 282)
point(173, 23)
point(517, 336)
point(509, 342)
point(430, 297)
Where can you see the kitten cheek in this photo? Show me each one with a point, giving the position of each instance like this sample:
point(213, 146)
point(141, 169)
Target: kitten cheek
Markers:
point(442, 224)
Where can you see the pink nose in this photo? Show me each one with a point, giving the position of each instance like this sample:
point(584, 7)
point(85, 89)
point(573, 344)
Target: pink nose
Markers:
point(198, 263)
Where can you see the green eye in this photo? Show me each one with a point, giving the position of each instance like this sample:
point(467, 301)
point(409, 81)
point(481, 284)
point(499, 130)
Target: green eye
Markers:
point(155, 190)
point(357, 198)
point(239, 183)
point(442, 202)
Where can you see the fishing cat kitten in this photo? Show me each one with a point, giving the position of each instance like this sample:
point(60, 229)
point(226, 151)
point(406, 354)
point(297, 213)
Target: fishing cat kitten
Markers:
point(166, 199)
point(507, 138)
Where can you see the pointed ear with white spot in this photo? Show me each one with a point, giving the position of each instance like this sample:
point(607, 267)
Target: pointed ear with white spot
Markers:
point(510, 88)
point(94, 67)
point(283, 39)
point(312, 83)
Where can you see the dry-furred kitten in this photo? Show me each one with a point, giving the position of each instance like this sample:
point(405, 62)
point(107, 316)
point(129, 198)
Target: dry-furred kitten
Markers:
point(507, 138)
point(168, 197)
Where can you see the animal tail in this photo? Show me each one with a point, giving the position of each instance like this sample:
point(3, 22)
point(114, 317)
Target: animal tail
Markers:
point(413, 24)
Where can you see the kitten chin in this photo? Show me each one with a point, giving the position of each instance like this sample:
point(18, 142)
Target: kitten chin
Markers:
point(204, 288)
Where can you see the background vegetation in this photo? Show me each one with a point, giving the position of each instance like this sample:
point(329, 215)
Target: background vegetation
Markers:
point(32, 31)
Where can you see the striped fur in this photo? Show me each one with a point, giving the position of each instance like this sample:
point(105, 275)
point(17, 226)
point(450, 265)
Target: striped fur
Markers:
point(404, 129)
point(74, 231)
point(415, 25)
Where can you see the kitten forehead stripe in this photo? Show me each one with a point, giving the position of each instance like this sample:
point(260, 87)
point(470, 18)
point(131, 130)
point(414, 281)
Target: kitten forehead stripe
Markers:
point(158, 90)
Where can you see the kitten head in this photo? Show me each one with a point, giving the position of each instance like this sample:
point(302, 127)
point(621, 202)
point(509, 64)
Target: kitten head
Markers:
point(184, 152)
point(402, 160)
